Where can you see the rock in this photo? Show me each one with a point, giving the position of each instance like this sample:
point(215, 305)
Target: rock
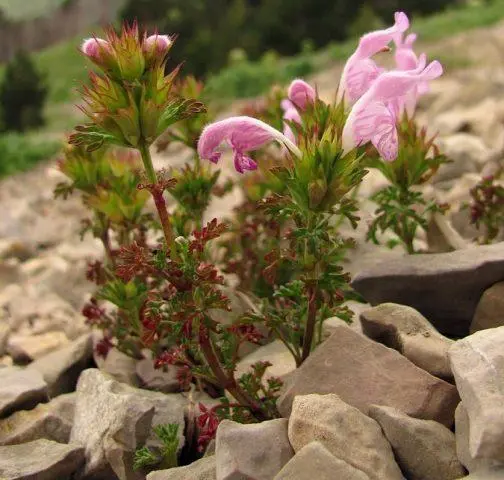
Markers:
point(40, 460)
point(24, 348)
point(276, 353)
point(202, 469)
point(257, 451)
point(409, 332)
point(20, 389)
point(467, 152)
point(52, 421)
point(423, 449)
point(488, 313)
point(61, 368)
point(112, 420)
point(363, 372)
point(314, 457)
point(156, 378)
point(444, 287)
point(346, 432)
point(357, 308)
point(117, 364)
point(478, 367)
point(4, 336)
point(462, 441)
point(15, 248)
point(487, 474)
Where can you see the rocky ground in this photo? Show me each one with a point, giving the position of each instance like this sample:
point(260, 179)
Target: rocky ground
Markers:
point(413, 389)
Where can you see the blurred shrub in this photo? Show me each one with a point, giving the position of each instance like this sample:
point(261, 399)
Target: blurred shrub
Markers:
point(20, 152)
point(209, 30)
point(22, 95)
point(244, 78)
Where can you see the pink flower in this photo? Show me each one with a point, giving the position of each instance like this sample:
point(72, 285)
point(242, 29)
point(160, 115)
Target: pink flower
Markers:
point(300, 93)
point(243, 135)
point(406, 59)
point(373, 118)
point(360, 71)
point(99, 51)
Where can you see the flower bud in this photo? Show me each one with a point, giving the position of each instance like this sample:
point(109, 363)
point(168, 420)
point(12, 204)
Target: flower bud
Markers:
point(100, 52)
point(156, 47)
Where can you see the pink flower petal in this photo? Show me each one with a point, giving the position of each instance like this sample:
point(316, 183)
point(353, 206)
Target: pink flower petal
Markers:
point(300, 93)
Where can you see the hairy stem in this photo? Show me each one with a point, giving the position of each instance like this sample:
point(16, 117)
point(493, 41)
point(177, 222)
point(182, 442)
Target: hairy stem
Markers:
point(310, 323)
point(157, 194)
point(227, 382)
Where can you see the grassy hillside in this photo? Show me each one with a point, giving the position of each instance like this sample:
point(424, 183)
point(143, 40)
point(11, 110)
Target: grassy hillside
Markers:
point(26, 9)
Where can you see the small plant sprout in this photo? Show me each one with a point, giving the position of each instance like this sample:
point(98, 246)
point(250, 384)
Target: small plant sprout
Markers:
point(162, 457)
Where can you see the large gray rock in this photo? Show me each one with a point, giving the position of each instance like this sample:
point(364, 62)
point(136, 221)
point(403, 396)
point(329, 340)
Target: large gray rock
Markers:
point(203, 469)
point(20, 389)
point(347, 433)
point(61, 368)
point(257, 451)
point(40, 460)
point(478, 367)
point(315, 459)
point(409, 332)
point(489, 312)
point(462, 442)
point(363, 372)
point(112, 420)
point(424, 449)
point(117, 364)
point(444, 287)
point(52, 421)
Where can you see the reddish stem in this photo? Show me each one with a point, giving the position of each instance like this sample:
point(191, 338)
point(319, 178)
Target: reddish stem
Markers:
point(310, 324)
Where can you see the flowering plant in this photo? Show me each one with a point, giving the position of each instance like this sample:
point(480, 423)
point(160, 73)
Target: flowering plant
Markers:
point(303, 157)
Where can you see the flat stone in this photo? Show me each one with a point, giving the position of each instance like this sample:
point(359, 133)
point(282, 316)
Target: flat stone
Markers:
point(61, 368)
point(478, 366)
point(52, 421)
point(314, 457)
point(30, 347)
point(346, 432)
point(112, 420)
point(20, 389)
point(489, 312)
point(202, 469)
point(40, 460)
point(404, 329)
point(363, 372)
point(424, 449)
point(462, 442)
point(444, 287)
point(257, 451)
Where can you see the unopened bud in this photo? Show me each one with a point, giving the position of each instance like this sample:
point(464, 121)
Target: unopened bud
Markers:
point(100, 52)
point(156, 47)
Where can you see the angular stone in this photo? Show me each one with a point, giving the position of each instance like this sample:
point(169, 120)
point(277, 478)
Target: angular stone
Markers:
point(40, 460)
point(24, 348)
point(444, 287)
point(117, 364)
point(363, 372)
point(20, 389)
point(424, 449)
point(462, 441)
point(156, 378)
point(346, 432)
point(112, 420)
point(61, 368)
point(489, 312)
point(52, 421)
point(257, 451)
point(314, 457)
point(404, 329)
point(202, 469)
point(478, 366)
point(276, 353)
